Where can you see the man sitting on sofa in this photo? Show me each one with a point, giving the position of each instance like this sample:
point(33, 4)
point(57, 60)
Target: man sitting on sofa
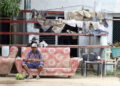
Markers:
point(33, 60)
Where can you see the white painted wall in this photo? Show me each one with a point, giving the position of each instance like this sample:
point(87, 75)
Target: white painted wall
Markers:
point(59, 4)
point(111, 6)
point(110, 29)
point(100, 5)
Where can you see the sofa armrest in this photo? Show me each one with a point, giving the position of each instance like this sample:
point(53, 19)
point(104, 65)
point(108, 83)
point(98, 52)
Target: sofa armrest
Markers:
point(7, 60)
point(3, 56)
point(74, 63)
point(13, 52)
point(6, 65)
point(18, 64)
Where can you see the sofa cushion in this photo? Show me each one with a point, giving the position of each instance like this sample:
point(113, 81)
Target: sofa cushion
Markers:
point(53, 57)
point(52, 72)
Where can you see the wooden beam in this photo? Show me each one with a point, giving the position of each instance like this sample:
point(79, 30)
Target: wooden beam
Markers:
point(71, 46)
point(53, 34)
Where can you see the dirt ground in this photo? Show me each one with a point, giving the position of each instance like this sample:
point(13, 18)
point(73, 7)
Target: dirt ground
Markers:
point(62, 81)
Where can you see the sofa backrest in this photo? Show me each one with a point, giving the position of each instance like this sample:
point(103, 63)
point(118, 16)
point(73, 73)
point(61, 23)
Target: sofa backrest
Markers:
point(53, 57)
point(13, 52)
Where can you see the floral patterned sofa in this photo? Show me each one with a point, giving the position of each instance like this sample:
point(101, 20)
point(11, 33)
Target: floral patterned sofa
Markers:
point(6, 62)
point(57, 62)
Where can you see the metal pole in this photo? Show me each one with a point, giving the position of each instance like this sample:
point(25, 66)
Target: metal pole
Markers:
point(56, 37)
point(27, 6)
point(79, 50)
point(14, 30)
point(56, 40)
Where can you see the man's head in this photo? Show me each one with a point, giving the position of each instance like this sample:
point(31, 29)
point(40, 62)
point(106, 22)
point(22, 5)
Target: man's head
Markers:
point(34, 47)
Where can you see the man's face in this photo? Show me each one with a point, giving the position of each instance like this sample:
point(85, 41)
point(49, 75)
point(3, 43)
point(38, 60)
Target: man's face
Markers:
point(34, 48)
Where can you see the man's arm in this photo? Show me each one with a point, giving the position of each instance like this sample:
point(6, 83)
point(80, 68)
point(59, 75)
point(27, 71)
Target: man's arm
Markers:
point(38, 60)
point(27, 59)
point(33, 60)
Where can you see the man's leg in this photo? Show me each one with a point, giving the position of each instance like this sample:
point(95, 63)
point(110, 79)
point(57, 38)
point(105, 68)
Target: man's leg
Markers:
point(26, 69)
point(26, 66)
point(40, 67)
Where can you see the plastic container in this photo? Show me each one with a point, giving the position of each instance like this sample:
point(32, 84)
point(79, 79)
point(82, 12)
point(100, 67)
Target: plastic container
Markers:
point(115, 52)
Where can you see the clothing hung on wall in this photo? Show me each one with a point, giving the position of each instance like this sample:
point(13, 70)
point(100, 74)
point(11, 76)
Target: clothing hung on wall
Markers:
point(97, 32)
point(73, 15)
point(79, 15)
point(68, 27)
point(105, 23)
point(48, 30)
point(89, 25)
point(45, 25)
point(58, 26)
point(100, 15)
point(38, 15)
point(73, 23)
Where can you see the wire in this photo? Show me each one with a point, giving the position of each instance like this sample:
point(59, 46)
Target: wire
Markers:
point(70, 6)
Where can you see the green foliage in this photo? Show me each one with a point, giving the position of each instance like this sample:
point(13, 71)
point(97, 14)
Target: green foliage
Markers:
point(19, 76)
point(110, 73)
point(9, 8)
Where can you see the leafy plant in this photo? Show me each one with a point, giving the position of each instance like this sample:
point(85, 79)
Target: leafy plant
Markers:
point(9, 8)
point(116, 44)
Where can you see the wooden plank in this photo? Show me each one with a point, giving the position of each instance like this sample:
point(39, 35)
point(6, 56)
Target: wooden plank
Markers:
point(53, 34)
point(71, 46)
point(49, 12)
point(17, 21)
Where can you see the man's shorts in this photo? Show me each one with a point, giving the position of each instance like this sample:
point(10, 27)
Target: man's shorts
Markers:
point(33, 65)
